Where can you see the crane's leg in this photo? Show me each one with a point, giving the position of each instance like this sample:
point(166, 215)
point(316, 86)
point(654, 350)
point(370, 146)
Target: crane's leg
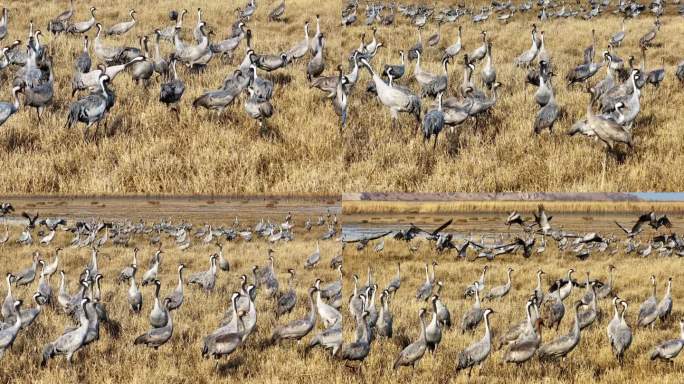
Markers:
point(603, 169)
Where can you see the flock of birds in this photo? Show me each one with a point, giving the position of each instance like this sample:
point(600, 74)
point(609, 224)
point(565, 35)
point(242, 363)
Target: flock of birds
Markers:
point(520, 342)
point(88, 310)
point(617, 94)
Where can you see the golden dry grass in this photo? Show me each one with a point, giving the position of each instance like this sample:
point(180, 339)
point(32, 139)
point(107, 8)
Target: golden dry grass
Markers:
point(179, 360)
point(145, 151)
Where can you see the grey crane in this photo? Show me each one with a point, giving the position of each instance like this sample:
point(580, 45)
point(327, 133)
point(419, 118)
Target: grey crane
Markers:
point(287, 299)
point(142, 71)
point(226, 343)
point(222, 98)
point(39, 96)
point(670, 349)
point(71, 341)
point(278, 13)
point(647, 39)
point(315, 42)
point(257, 108)
point(664, 307)
point(341, 101)
point(433, 331)
point(134, 295)
point(433, 121)
point(334, 288)
point(443, 314)
point(591, 313)
point(7, 109)
point(475, 315)
point(176, 296)
point(488, 72)
point(122, 27)
point(480, 52)
point(330, 339)
point(359, 349)
point(223, 263)
point(313, 258)
point(397, 70)
point(158, 316)
point(383, 327)
point(617, 38)
point(297, 329)
point(414, 351)
point(395, 283)
point(151, 274)
point(83, 26)
point(26, 276)
point(500, 290)
point(205, 279)
point(545, 89)
point(527, 57)
point(300, 49)
point(589, 52)
point(477, 352)
point(648, 311)
point(620, 334)
point(128, 271)
point(172, 91)
point(606, 289)
point(563, 345)
point(524, 349)
point(316, 65)
point(8, 303)
point(91, 109)
point(425, 290)
point(9, 334)
point(547, 115)
point(156, 337)
point(438, 83)
point(470, 290)
point(679, 71)
point(417, 49)
point(582, 73)
point(522, 328)
point(552, 309)
point(455, 48)
point(44, 290)
point(3, 23)
point(395, 99)
point(161, 65)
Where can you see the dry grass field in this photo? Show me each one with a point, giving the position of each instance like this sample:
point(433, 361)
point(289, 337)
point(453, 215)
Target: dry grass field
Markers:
point(146, 151)
point(118, 360)
point(110, 360)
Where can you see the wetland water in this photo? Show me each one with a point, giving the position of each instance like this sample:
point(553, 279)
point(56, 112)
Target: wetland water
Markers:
point(219, 210)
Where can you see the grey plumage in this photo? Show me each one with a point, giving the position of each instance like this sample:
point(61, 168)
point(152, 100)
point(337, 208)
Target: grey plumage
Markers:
point(156, 337)
point(414, 351)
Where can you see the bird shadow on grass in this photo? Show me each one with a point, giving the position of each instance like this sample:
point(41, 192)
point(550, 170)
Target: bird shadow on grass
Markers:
point(271, 133)
point(230, 366)
point(19, 140)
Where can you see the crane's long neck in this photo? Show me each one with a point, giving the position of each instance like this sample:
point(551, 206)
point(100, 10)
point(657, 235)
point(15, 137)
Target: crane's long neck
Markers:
point(15, 104)
point(681, 330)
point(488, 331)
point(509, 278)
point(312, 310)
point(477, 298)
point(539, 285)
point(422, 328)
